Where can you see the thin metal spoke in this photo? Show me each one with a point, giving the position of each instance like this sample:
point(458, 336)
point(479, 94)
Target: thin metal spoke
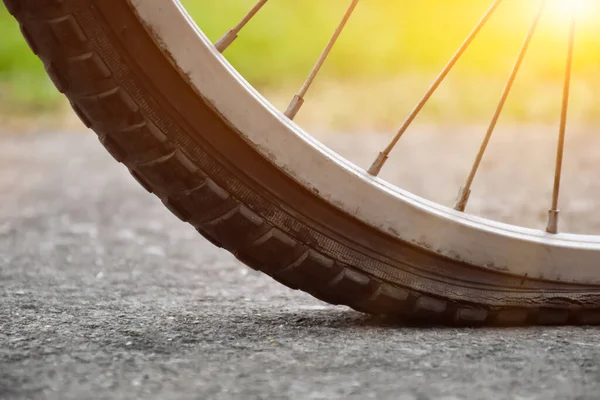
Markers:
point(298, 99)
point(554, 211)
point(232, 34)
point(381, 159)
point(465, 191)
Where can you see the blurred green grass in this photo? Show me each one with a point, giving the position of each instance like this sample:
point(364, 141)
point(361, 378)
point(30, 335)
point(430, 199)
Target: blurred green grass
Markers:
point(403, 43)
point(24, 86)
point(388, 38)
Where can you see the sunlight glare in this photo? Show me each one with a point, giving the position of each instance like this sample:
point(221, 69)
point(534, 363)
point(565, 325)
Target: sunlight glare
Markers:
point(565, 8)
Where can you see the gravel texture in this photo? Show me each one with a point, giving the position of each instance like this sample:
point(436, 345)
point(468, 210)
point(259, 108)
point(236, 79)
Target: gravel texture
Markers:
point(105, 295)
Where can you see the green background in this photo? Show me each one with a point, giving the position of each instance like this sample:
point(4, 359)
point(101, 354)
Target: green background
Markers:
point(399, 41)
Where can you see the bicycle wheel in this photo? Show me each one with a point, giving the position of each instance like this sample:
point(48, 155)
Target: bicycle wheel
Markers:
point(166, 103)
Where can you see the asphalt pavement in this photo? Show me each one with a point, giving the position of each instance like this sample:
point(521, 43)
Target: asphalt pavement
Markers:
point(105, 295)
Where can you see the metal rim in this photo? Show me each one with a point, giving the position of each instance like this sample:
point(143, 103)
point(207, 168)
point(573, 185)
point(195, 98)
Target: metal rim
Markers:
point(443, 230)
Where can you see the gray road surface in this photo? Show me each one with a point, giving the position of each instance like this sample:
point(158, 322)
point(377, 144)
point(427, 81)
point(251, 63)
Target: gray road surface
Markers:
point(105, 295)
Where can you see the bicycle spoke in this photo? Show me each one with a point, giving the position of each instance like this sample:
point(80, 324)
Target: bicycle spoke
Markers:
point(232, 34)
point(298, 99)
point(554, 211)
point(382, 158)
point(465, 191)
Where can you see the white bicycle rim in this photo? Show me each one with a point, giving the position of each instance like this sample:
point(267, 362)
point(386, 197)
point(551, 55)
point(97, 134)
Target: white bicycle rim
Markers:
point(442, 230)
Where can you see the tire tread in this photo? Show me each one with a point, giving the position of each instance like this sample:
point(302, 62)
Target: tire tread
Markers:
point(162, 167)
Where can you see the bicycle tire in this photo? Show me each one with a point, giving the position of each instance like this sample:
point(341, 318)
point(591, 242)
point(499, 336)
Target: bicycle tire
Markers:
point(124, 86)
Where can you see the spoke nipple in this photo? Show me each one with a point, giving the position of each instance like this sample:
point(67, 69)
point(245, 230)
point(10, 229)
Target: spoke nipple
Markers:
point(552, 221)
point(463, 199)
point(228, 38)
point(294, 107)
point(378, 164)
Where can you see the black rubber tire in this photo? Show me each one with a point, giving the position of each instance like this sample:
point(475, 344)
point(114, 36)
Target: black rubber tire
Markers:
point(147, 116)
